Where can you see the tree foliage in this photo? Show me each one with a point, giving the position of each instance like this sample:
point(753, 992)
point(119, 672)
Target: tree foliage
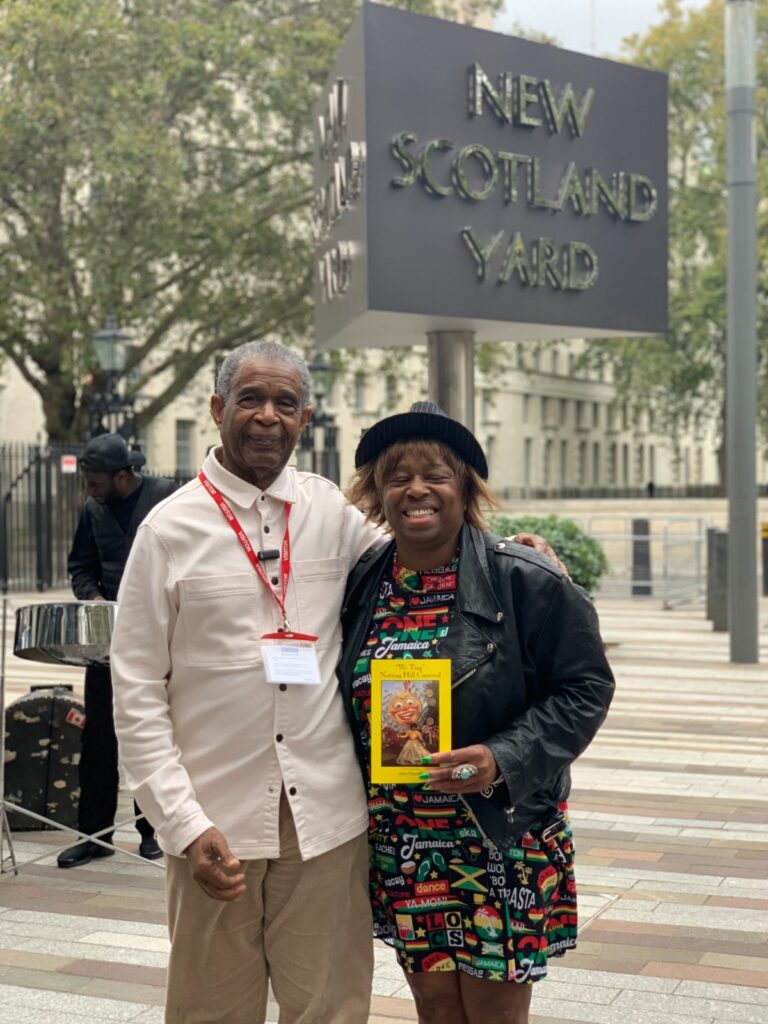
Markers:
point(578, 551)
point(155, 165)
point(682, 376)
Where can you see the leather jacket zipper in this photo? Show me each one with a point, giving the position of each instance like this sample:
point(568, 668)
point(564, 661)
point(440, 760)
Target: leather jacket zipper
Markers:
point(471, 671)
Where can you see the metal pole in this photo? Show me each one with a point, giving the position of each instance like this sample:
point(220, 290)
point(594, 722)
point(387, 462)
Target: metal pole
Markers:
point(451, 373)
point(741, 390)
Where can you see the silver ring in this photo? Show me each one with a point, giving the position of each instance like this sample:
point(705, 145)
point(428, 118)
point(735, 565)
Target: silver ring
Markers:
point(462, 772)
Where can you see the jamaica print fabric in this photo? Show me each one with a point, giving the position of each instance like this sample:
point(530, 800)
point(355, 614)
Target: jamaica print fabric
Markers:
point(442, 894)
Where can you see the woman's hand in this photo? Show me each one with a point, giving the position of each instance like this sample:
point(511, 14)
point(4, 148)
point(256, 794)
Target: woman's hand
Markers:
point(439, 769)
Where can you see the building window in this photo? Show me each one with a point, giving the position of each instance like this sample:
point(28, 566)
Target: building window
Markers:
point(595, 463)
point(625, 464)
point(595, 414)
point(625, 417)
point(580, 421)
point(563, 411)
point(527, 460)
point(582, 465)
point(185, 435)
point(640, 464)
point(563, 463)
point(554, 361)
point(651, 462)
point(526, 408)
point(359, 396)
point(610, 469)
point(548, 447)
point(486, 404)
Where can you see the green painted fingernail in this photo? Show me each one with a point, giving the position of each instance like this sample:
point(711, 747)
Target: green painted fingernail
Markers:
point(426, 786)
point(427, 759)
point(424, 775)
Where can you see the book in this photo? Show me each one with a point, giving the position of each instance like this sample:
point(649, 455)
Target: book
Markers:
point(410, 716)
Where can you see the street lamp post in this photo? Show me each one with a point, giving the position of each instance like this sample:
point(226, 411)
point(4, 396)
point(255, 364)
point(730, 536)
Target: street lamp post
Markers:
point(317, 451)
point(111, 347)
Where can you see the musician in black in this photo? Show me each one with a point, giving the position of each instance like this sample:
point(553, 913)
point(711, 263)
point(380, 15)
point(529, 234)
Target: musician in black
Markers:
point(117, 499)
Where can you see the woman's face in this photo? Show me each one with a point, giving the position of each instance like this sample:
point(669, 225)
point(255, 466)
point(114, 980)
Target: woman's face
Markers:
point(424, 505)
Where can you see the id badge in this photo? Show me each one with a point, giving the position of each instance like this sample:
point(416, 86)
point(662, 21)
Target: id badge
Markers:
point(291, 658)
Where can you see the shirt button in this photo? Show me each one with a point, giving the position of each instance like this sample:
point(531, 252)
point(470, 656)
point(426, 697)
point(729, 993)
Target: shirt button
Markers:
point(274, 580)
point(266, 529)
point(283, 686)
point(292, 791)
point(279, 737)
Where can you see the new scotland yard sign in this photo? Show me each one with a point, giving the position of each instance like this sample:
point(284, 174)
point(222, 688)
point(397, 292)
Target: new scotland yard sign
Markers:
point(467, 180)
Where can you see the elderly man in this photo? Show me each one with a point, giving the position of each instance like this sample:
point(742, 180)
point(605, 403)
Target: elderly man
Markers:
point(231, 728)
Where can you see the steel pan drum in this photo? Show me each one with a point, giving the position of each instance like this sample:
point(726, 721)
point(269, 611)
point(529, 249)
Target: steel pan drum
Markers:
point(69, 633)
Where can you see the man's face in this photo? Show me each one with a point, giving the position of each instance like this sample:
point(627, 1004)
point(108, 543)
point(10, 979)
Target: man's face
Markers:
point(261, 420)
point(104, 487)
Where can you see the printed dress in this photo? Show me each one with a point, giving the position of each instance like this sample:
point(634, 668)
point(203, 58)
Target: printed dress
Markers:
point(442, 893)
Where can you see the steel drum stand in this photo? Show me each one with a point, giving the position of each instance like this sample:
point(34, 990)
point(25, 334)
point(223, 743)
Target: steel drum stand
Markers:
point(6, 805)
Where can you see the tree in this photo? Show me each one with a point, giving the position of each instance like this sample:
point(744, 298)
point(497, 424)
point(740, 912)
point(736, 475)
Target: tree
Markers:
point(155, 165)
point(682, 376)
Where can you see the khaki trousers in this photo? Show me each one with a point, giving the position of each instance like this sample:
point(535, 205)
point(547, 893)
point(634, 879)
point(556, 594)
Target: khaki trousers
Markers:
point(303, 925)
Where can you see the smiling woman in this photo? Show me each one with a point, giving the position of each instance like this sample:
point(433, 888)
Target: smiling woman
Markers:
point(493, 895)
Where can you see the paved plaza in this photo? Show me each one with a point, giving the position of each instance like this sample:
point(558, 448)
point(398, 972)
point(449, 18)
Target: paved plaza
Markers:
point(670, 807)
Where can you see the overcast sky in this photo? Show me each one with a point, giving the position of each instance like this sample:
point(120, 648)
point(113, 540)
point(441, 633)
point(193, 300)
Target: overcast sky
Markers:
point(577, 23)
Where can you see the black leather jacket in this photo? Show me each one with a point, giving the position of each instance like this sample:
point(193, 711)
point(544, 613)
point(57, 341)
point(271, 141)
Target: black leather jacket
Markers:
point(530, 677)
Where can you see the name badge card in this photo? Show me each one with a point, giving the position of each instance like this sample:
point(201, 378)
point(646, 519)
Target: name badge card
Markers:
point(291, 658)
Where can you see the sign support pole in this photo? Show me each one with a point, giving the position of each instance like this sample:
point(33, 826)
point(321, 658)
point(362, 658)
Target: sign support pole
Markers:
point(451, 373)
point(741, 387)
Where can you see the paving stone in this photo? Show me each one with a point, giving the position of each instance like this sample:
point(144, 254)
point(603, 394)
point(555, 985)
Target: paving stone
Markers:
point(669, 809)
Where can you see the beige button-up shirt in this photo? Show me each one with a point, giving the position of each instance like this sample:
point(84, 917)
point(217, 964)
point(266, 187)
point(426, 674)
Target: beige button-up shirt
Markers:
point(204, 738)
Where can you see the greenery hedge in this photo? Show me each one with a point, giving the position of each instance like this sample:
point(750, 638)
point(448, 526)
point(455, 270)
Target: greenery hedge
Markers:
point(582, 555)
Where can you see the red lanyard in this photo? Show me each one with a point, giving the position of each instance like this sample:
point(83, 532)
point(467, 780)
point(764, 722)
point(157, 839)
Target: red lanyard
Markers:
point(242, 536)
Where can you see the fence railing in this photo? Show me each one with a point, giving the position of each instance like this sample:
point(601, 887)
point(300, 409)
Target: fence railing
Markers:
point(674, 564)
point(41, 496)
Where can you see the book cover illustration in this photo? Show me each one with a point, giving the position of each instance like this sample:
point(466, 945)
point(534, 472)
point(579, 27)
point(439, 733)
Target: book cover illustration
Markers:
point(410, 716)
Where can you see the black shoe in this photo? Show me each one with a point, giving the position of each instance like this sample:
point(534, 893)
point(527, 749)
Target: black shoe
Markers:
point(149, 850)
point(83, 853)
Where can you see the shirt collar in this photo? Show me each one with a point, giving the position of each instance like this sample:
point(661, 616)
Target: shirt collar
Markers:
point(239, 491)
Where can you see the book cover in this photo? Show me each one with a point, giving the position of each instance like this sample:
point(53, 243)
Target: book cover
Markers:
point(410, 716)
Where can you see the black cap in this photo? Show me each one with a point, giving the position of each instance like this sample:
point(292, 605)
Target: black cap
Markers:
point(108, 453)
point(423, 420)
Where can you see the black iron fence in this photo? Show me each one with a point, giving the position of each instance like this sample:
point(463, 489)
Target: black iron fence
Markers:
point(41, 495)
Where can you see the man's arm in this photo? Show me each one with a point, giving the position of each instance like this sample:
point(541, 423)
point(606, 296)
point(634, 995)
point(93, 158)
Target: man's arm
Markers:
point(83, 563)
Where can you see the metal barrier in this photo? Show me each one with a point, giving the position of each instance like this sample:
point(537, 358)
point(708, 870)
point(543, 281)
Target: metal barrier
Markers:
point(675, 547)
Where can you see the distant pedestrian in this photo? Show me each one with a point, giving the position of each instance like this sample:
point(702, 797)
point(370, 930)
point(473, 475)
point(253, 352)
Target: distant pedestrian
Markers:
point(118, 498)
point(651, 488)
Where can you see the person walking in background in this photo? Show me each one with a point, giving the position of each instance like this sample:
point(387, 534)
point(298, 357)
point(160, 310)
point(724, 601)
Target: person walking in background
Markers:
point(474, 905)
point(117, 500)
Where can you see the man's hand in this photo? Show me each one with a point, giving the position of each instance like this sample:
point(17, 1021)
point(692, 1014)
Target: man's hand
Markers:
point(214, 867)
point(533, 540)
point(442, 765)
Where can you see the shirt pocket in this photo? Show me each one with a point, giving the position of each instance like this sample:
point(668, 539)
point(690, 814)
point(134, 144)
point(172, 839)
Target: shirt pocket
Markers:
point(319, 588)
point(219, 619)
